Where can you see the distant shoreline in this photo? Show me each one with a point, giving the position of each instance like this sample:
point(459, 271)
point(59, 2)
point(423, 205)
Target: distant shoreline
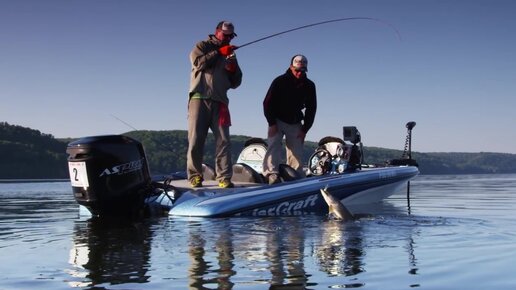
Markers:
point(33, 180)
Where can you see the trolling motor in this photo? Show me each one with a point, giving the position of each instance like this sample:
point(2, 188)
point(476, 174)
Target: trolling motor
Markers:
point(406, 157)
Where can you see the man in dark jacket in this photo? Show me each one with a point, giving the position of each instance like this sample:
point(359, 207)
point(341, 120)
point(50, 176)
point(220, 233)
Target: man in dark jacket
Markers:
point(289, 107)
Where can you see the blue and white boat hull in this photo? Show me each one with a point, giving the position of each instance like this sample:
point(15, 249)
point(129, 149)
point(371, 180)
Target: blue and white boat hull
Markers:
point(294, 197)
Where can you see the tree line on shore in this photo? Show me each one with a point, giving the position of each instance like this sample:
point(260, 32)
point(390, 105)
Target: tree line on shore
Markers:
point(26, 153)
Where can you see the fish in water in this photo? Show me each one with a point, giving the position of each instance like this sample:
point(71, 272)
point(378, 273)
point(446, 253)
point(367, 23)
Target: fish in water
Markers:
point(336, 208)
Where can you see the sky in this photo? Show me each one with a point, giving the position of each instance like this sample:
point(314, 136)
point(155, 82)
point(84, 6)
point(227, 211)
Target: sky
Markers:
point(76, 68)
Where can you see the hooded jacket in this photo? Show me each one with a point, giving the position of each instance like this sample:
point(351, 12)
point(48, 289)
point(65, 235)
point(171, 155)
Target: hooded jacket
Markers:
point(208, 76)
point(287, 97)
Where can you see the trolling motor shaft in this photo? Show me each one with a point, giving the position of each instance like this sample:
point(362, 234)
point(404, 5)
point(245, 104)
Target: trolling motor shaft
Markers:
point(410, 126)
point(406, 157)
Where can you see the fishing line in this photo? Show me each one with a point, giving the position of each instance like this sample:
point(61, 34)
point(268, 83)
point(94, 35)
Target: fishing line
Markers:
point(163, 146)
point(129, 125)
point(320, 23)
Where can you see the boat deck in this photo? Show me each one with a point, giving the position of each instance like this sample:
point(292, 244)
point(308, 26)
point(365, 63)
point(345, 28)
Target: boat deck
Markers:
point(183, 185)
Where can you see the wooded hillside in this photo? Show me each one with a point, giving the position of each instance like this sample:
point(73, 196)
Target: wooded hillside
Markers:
point(29, 154)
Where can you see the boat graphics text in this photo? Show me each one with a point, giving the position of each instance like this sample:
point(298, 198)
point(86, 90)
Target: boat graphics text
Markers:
point(386, 175)
point(287, 207)
point(123, 168)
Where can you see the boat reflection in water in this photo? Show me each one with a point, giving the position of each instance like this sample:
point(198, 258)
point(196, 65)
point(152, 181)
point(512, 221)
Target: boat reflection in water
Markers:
point(281, 251)
point(269, 251)
point(200, 266)
point(224, 253)
point(340, 250)
point(111, 252)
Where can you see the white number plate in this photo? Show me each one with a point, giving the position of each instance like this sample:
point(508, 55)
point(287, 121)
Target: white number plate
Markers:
point(78, 174)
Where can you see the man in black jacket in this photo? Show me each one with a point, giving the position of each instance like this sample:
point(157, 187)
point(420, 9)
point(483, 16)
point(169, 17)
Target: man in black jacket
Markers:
point(289, 107)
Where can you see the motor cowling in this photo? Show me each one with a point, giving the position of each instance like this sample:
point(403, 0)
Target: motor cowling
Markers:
point(109, 174)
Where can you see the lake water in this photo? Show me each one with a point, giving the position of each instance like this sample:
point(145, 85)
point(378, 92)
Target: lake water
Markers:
point(457, 232)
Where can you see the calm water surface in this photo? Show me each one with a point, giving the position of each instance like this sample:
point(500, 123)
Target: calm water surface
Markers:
point(457, 232)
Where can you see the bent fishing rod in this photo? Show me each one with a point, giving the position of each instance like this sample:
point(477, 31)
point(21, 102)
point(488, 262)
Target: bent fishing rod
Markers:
point(163, 146)
point(321, 23)
point(127, 124)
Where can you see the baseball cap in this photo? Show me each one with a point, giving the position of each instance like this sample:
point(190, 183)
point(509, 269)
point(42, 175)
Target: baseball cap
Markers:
point(299, 62)
point(227, 28)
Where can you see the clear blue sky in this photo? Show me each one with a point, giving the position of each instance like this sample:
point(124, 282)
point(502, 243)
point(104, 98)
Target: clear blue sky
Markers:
point(68, 66)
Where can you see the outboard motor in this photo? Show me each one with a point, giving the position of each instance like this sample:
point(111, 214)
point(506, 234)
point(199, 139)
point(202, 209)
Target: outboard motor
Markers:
point(109, 174)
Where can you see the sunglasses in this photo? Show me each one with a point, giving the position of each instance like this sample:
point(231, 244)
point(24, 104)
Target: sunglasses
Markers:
point(230, 36)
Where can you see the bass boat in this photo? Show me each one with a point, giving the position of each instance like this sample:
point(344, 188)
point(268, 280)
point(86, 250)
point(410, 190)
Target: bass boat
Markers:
point(110, 177)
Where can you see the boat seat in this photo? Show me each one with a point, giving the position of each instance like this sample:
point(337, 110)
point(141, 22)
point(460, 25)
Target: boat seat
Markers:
point(253, 153)
point(208, 173)
point(287, 173)
point(245, 173)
